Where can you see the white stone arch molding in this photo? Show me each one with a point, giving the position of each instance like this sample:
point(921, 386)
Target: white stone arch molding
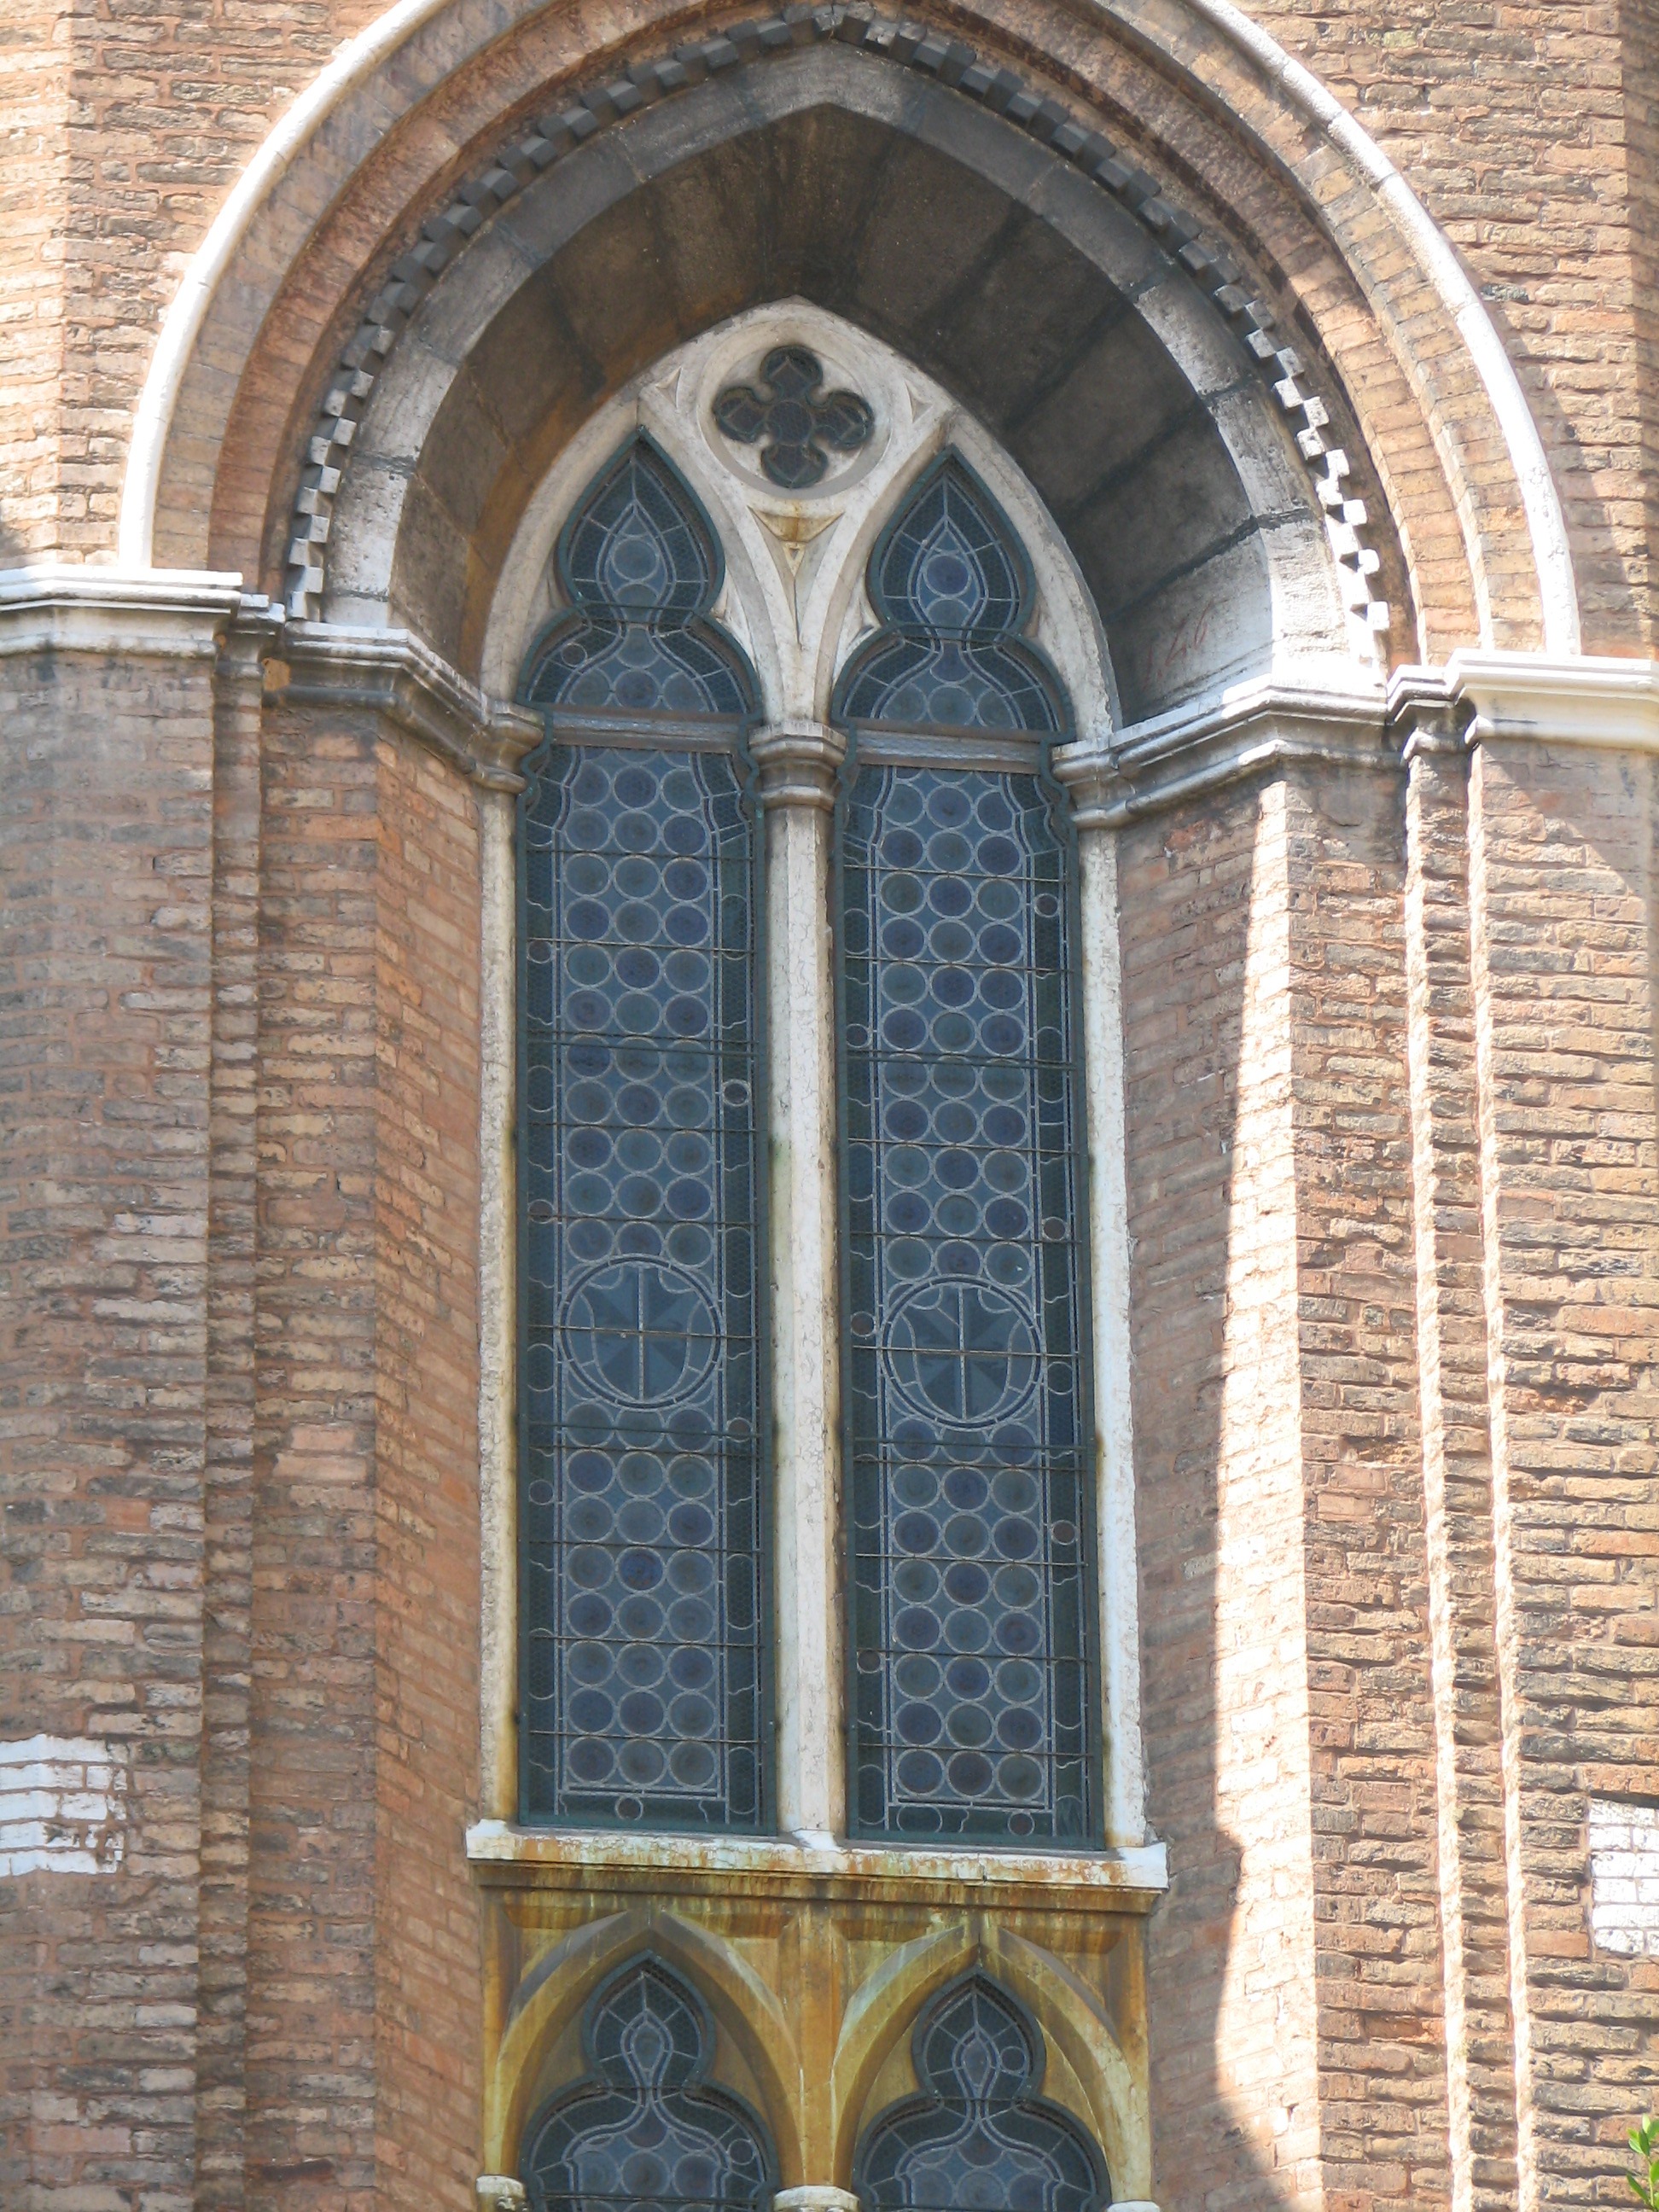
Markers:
point(793, 593)
point(384, 74)
point(1292, 581)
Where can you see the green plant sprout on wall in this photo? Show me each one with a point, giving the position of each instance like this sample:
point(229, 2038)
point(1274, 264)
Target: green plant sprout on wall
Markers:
point(1644, 2142)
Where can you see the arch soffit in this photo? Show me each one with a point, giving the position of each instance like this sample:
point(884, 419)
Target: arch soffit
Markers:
point(380, 83)
point(1190, 511)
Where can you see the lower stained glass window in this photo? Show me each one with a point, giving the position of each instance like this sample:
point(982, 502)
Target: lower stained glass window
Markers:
point(644, 2133)
point(969, 1436)
point(641, 1391)
point(978, 2138)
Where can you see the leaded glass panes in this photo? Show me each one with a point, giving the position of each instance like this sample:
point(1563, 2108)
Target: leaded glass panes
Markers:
point(969, 1441)
point(640, 568)
point(641, 1391)
point(978, 2137)
point(645, 2132)
point(951, 589)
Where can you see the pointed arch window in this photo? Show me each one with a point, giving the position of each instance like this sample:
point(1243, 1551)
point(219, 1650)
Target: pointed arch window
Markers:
point(645, 2131)
point(968, 1444)
point(640, 568)
point(978, 2136)
point(642, 1416)
point(951, 586)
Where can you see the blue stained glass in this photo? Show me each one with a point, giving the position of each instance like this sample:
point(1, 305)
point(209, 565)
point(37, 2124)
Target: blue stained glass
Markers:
point(950, 585)
point(640, 568)
point(645, 2132)
point(978, 2138)
point(640, 1388)
point(969, 1434)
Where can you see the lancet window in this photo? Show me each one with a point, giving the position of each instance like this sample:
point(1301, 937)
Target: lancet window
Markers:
point(642, 1374)
point(977, 2136)
point(968, 1430)
point(968, 1443)
point(644, 2130)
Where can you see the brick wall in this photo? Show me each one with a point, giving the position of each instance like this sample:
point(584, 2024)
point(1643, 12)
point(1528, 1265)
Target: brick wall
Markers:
point(429, 1992)
point(1562, 885)
point(1203, 900)
point(34, 183)
point(1296, 1970)
point(363, 1948)
point(104, 874)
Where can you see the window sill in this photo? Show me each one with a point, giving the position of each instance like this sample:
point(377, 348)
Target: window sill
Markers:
point(1125, 1880)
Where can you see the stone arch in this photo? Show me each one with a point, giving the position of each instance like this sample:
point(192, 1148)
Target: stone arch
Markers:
point(1139, 419)
point(552, 1995)
point(1070, 2014)
point(1453, 442)
point(798, 642)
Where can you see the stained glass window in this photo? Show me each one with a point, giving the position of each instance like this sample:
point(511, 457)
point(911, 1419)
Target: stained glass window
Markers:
point(970, 1437)
point(952, 588)
point(978, 2138)
point(641, 1392)
point(645, 2132)
point(640, 568)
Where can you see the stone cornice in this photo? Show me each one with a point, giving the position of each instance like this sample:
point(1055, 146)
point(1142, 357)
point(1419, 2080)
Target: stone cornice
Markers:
point(1191, 750)
point(172, 614)
point(392, 673)
point(1534, 697)
point(1124, 1881)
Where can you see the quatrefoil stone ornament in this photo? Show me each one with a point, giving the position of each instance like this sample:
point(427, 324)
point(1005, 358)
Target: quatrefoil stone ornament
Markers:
point(797, 424)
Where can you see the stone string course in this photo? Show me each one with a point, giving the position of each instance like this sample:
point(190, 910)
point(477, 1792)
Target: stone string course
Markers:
point(445, 235)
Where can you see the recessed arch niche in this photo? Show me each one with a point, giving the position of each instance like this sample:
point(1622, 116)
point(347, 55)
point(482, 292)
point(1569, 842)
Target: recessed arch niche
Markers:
point(1026, 293)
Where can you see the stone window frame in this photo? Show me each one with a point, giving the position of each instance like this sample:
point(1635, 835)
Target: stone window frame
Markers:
point(798, 609)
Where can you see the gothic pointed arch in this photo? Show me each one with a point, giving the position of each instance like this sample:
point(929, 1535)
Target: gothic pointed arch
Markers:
point(950, 585)
point(978, 2133)
point(638, 567)
point(646, 2130)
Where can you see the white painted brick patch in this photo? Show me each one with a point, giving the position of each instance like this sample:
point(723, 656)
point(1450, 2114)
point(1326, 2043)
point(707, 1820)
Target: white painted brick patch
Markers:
point(1624, 1854)
point(63, 1806)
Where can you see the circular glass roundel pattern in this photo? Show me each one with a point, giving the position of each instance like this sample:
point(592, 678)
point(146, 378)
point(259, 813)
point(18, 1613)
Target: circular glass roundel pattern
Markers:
point(639, 1379)
point(978, 2138)
point(969, 1429)
point(644, 2132)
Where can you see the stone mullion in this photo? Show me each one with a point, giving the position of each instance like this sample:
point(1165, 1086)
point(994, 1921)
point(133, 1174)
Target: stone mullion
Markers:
point(1457, 1485)
point(799, 764)
point(1100, 1027)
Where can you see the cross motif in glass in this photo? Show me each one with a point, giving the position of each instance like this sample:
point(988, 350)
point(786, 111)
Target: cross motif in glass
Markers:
point(795, 421)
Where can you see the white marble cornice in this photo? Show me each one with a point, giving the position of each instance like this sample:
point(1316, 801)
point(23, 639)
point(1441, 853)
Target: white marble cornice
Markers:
point(179, 614)
point(392, 673)
point(1118, 776)
point(1588, 699)
point(1064, 1881)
